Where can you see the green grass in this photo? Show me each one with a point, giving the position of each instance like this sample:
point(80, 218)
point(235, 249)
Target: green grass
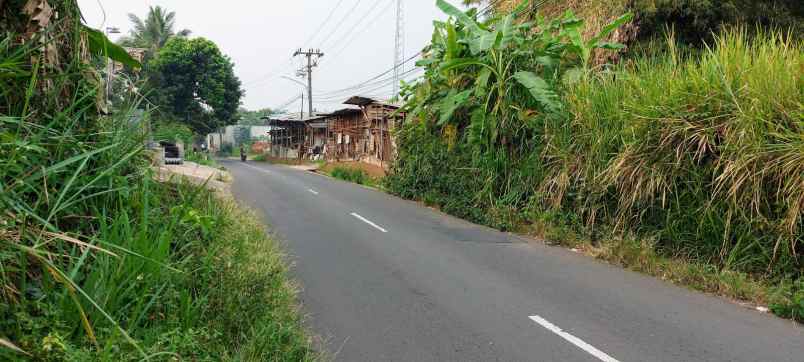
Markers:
point(201, 158)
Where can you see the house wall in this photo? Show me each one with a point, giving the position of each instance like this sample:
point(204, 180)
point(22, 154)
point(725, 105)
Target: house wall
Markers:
point(213, 142)
point(379, 146)
point(365, 136)
point(345, 135)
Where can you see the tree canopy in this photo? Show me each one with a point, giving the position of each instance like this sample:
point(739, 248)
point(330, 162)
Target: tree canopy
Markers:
point(195, 83)
point(154, 31)
point(253, 118)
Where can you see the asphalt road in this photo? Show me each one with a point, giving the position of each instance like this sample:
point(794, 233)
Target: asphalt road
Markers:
point(386, 279)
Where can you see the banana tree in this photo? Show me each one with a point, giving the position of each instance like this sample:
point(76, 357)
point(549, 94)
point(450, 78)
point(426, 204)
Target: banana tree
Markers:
point(490, 76)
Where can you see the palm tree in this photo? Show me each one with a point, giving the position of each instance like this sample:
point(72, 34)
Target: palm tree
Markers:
point(153, 32)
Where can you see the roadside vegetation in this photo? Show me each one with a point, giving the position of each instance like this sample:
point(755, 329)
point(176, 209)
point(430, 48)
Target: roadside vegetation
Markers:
point(354, 171)
point(357, 176)
point(99, 262)
point(687, 165)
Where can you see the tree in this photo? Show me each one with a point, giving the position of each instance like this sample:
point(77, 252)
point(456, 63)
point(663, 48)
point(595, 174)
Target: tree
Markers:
point(253, 118)
point(153, 32)
point(195, 83)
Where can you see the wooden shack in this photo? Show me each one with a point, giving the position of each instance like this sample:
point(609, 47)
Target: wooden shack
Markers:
point(376, 145)
point(345, 129)
point(286, 137)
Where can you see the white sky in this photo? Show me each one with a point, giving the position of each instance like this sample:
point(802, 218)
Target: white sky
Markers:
point(261, 36)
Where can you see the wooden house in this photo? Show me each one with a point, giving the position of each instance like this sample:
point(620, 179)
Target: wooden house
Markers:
point(345, 127)
point(376, 144)
point(287, 136)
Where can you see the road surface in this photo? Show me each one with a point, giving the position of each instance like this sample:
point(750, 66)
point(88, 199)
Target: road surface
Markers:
point(386, 279)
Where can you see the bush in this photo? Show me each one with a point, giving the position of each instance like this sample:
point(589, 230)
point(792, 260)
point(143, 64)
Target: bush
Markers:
point(355, 175)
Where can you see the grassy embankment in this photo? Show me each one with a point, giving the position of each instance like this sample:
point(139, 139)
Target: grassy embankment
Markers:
point(357, 172)
point(97, 260)
point(688, 167)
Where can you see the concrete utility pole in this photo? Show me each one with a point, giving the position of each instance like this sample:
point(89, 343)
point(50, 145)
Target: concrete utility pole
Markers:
point(309, 71)
point(109, 67)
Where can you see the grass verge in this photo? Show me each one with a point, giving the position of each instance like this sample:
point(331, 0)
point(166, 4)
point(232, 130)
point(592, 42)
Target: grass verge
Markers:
point(784, 298)
point(186, 276)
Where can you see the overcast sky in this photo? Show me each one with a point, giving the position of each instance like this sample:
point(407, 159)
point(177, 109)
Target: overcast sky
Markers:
point(261, 36)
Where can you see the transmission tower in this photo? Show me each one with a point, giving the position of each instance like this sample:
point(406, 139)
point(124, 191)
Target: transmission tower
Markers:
point(399, 45)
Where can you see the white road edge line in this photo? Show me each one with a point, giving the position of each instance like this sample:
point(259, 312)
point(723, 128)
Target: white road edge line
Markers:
point(314, 192)
point(574, 340)
point(363, 219)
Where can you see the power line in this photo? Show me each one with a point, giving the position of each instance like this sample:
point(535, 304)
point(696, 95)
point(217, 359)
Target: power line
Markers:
point(324, 23)
point(368, 87)
point(360, 21)
point(343, 20)
point(380, 84)
point(284, 66)
point(352, 39)
point(382, 81)
point(377, 76)
point(274, 72)
point(287, 103)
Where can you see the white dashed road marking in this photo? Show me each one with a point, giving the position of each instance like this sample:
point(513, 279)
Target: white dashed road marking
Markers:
point(363, 219)
point(574, 340)
point(314, 192)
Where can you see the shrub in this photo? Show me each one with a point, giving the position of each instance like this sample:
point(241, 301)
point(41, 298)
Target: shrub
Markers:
point(355, 175)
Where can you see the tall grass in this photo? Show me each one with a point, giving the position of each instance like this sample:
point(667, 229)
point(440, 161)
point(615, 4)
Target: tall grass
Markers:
point(99, 262)
point(699, 155)
point(704, 151)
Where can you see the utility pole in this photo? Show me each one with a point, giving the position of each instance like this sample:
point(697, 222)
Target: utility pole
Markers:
point(399, 46)
point(109, 67)
point(308, 70)
point(301, 113)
